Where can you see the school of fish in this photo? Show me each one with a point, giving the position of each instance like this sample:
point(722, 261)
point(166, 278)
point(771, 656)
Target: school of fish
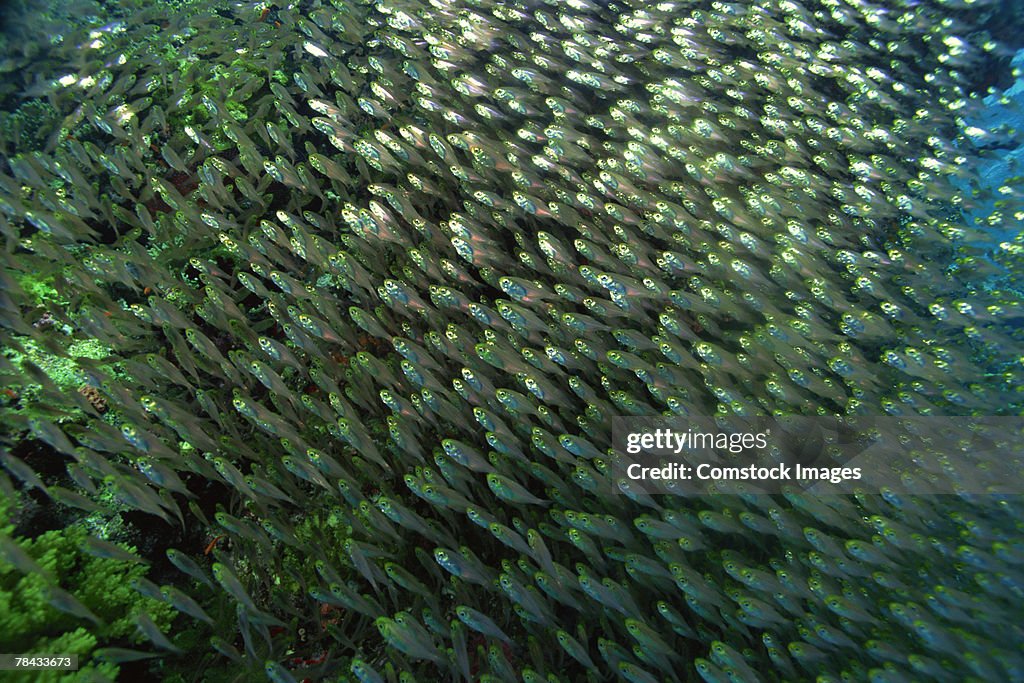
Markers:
point(398, 264)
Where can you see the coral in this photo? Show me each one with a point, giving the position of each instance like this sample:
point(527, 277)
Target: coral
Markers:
point(29, 126)
point(41, 289)
point(61, 368)
point(94, 397)
point(29, 624)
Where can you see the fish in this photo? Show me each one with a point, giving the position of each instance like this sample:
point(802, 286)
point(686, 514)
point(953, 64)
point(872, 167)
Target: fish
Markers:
point(185, 604)
point(107, 550)
point(574, 648)
point(152, 632)
point(120, 655)
point(512, 491)
point(481, 623)
point(407, 640)
point(73, 499)
point(495, 229)
point(66, 602)
point(277, 673)
point(23, 472)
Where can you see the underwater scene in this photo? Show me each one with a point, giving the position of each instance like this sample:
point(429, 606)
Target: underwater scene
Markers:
point(527, 341)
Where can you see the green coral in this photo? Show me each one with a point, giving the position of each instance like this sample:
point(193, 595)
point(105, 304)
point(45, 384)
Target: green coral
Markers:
point(40, 288)
point(30, 125)
point(60, 366)
point(62, 369)
point(29, 624)
point(237, 111)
